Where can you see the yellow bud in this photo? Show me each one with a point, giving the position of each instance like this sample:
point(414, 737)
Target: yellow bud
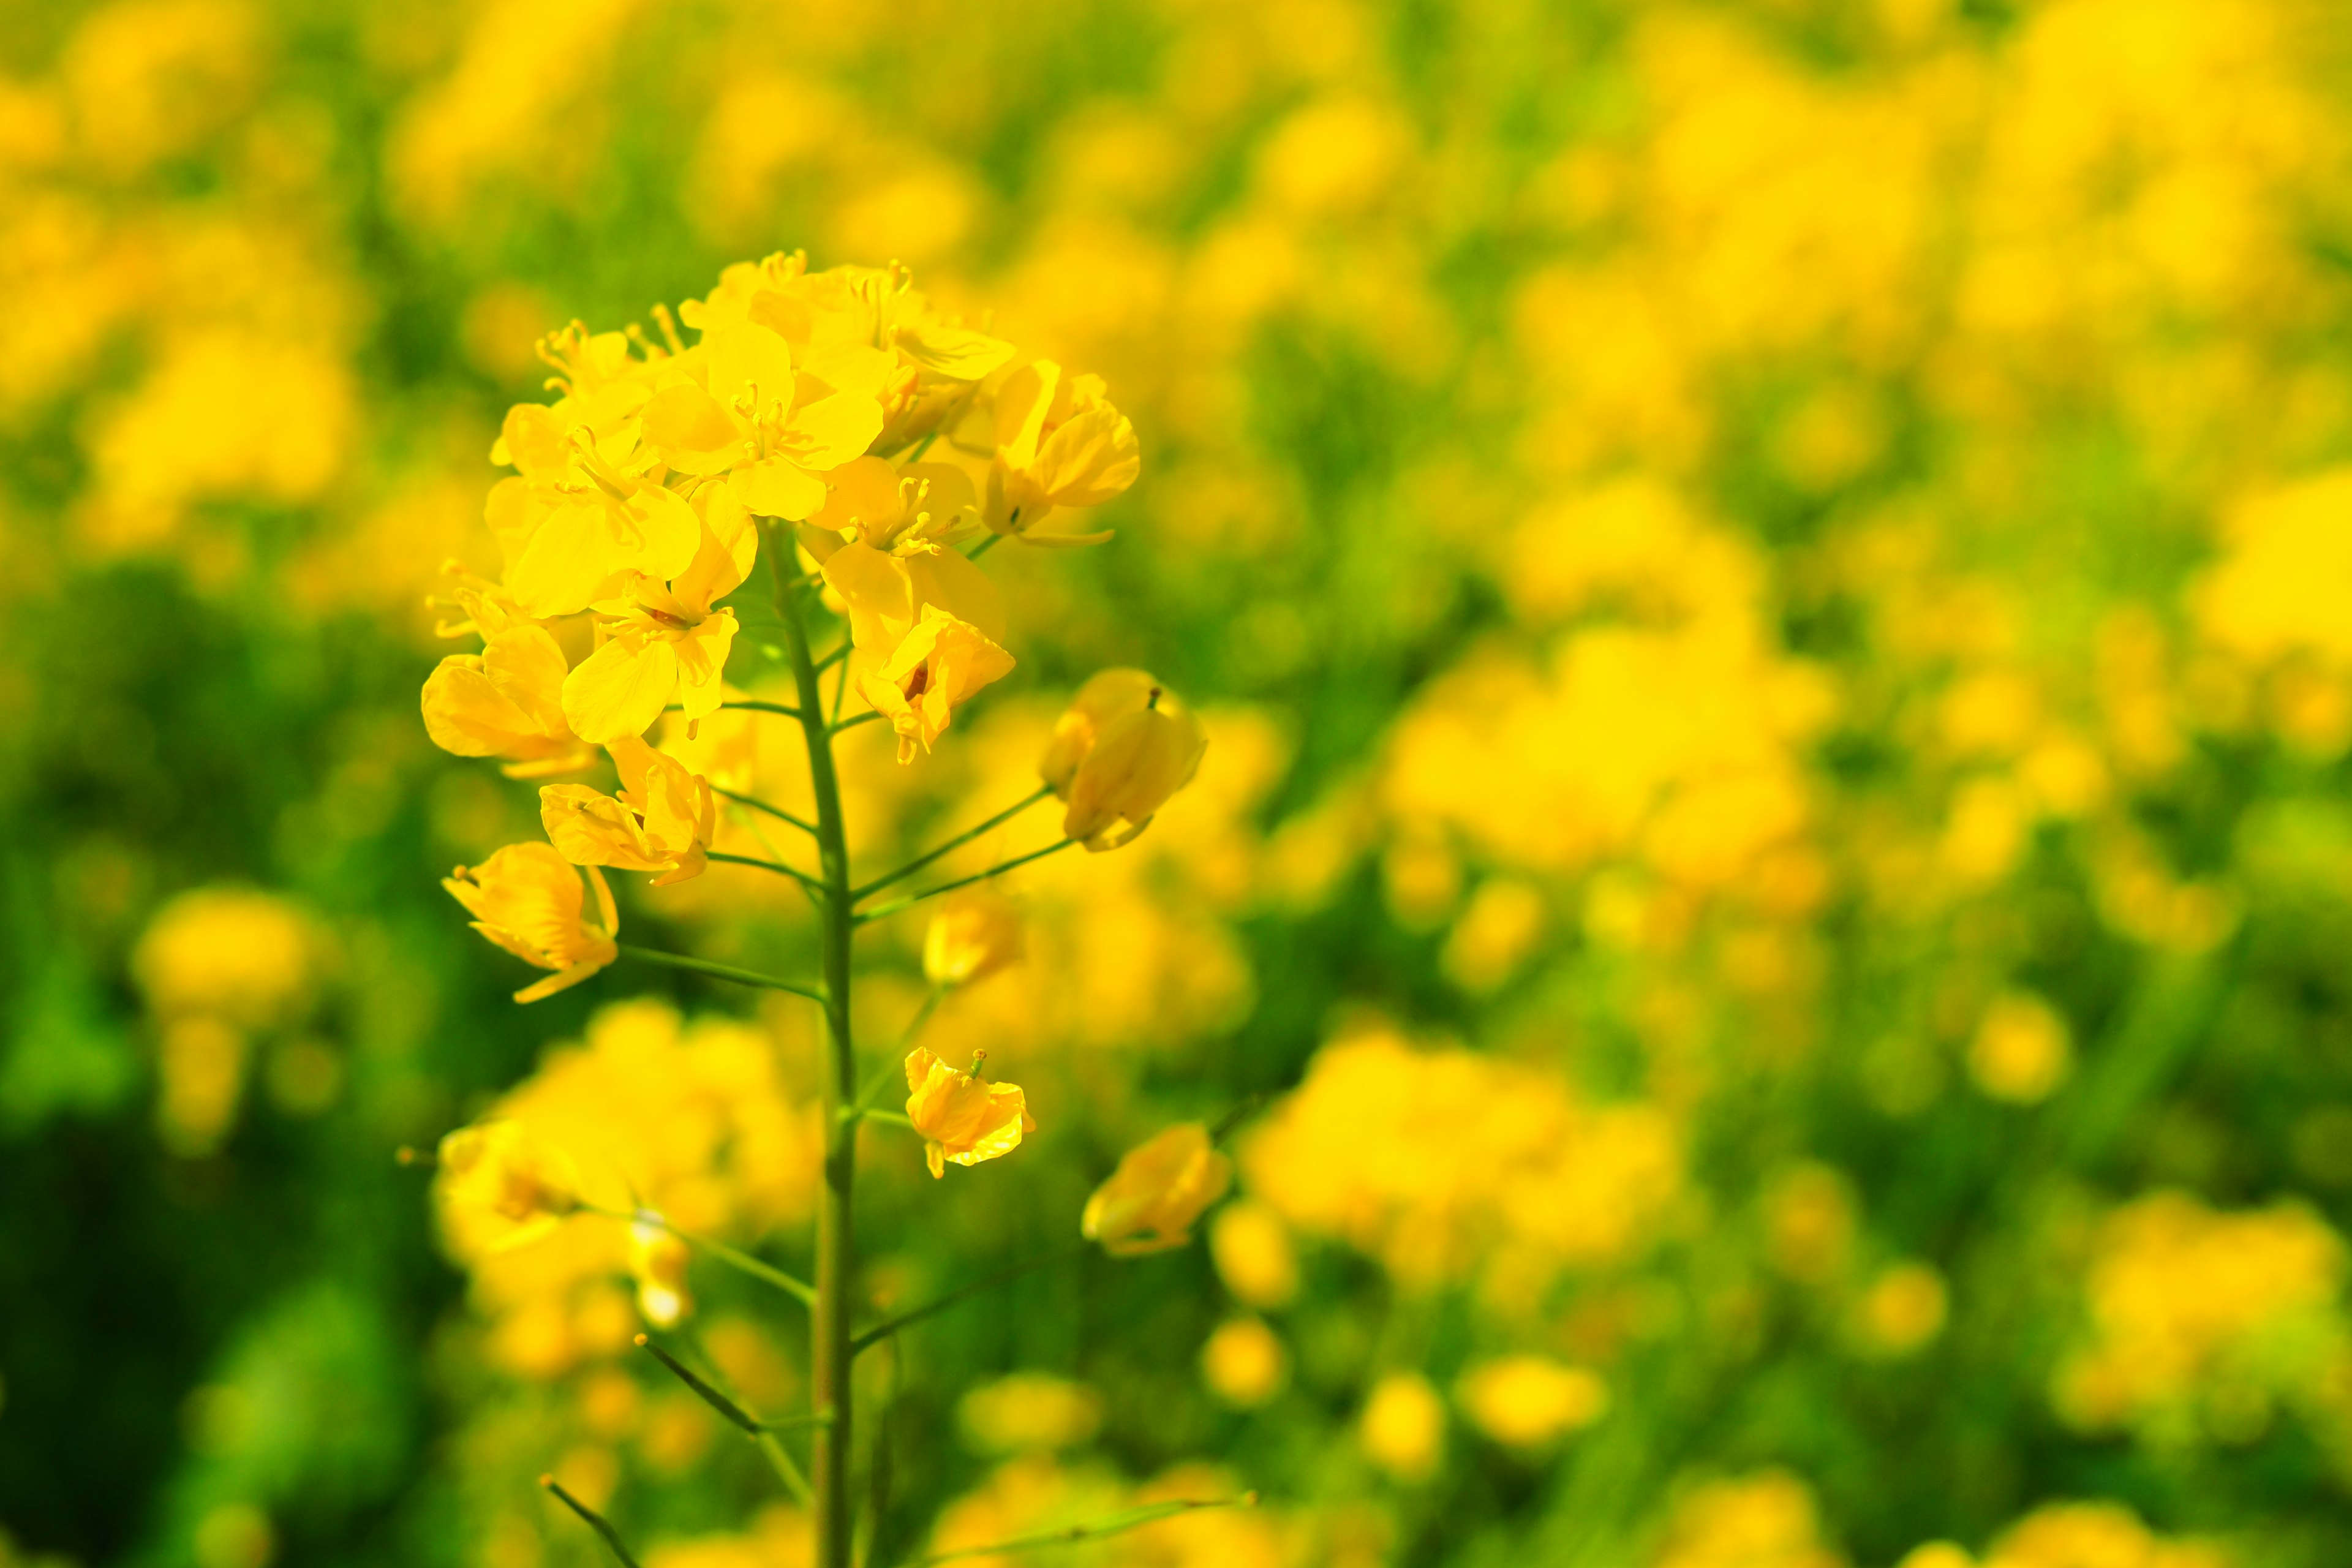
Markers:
point(976, 932)
point(1161, 1186)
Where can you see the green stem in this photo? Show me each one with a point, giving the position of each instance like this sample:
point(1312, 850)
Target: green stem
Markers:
point(775, 811)
point(892, 1117)
point(895, 905)
point(764, 708)
point(802, 878)
point(830, 1349)
point(957, 842)
point(787, 1469)
point(984, 547)
point(1151, 1514)
point(596, 1520)
point(855, 719)
point(888, 1326)
point(721, 971)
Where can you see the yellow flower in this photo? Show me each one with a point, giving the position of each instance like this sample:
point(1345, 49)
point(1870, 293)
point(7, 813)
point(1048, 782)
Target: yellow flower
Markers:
point(1160, 1187)
point(526, 898)
point(499, 1186)
point(1059, 443)
point(976, 932)
point(770, 420)
point(964, 1118)
point(886, 591)
point(506, 701)
point(664, 640)
point(662, 821)
point(657, 1260)
point(568, 535)
point(1527, 1401)
point(1404, 1428)
point(875, 504)
point(1117, 755)
point(940, 664)
point(1244, 1363)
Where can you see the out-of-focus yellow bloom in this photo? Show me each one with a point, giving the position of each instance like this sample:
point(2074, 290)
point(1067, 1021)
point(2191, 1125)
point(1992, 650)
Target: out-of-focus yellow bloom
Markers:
point(1764, 1520)
point(1160, 1187)
point(664, 640)
point(663, 819)
point(658, 1262)
point(1403, 1426)
point(1059, 443)
point(770, 425)
point(1029, 1410)
point(976, 932)
point(1244, 1363)
point(1253, 1254)
point(1120, 749)
point(527, 897)
point(2093, 1535)
point(1903, 1309)
point(2021, 1051)
point(501, 1187)
point(506, 701)
point(936, 666)
point(201, 1060)
point(235, 953)
point(963, 1119)
point(1527, 1401)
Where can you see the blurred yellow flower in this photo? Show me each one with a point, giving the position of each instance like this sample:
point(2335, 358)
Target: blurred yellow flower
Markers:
point(1403, 1426)
point(1903, 1309)
point(2093, 1535)
point(1253, 1254)
point(657, 1261)
point(1029, 1410)
point(1763, 1520)
point(976, 932)
point(1161, 1186)
point(527, 897)
point(1120, 749)
point(963, 1119)
point(1244, 1363)
point(237, 953)
point(2020, 1052)
point(1528, 1401)
point(501, 1187)
point(663, 820)
point(1059, 443)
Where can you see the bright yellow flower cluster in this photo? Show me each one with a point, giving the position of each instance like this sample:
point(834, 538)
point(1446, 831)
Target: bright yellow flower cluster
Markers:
point(1443, 1163)
point(2201, 1324)
point(841, 417)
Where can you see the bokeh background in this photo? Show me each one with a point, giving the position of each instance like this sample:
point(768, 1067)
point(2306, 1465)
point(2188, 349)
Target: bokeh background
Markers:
point(1772, 586)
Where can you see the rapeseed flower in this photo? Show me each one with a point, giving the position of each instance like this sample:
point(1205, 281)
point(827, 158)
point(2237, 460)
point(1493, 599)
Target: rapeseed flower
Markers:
point(663, 820)
point(1059, 443)
point(975, 933)
point(527, 897)
point(1123, 747)
point(1160, 1188)
point(664, 640)
point(501, 1186)
point(768, 419)
point(506, 701)
point(964, 1118)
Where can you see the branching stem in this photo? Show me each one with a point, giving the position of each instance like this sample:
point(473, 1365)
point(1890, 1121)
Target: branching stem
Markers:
point(895, 905)
point(721, 971)
point(957, 842)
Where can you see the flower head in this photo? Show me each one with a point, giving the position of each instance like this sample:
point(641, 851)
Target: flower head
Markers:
point(501, 1186)
point(1160, 1187)
point(527, 897)
point(962, 1117)
point(1059, 443)
point(663, 820)
point(1117, 754)
point(975, 933)
point(747, 406)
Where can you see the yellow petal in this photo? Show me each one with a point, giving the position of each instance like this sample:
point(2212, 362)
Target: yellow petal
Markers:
point(620, 688)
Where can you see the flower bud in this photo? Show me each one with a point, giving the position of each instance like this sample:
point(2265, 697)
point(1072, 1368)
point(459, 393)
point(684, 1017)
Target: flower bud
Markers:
point(1120, 751)
point(976, 932)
